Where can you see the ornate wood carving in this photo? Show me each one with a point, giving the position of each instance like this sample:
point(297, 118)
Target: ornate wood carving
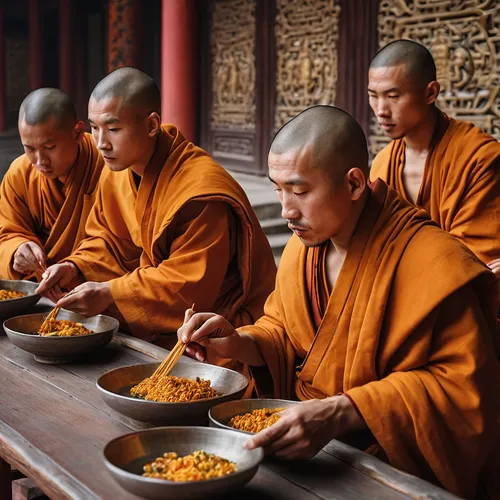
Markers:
point(464, 38)
point(233, 65)
point(306, 50)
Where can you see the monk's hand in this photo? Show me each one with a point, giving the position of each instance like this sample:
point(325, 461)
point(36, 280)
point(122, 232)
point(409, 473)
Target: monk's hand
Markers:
point(88, 299)
point(303, 430)
point(28, 257)
point(207, 330)
point(63, 275)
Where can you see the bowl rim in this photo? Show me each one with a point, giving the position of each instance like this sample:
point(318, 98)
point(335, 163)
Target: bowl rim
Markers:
point(222, 426)
point(258, 451)
point(166, 404)
point(10, 331)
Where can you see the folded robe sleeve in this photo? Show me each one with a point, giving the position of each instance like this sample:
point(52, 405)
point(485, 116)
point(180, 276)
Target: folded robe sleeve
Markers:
point(476, 221)
point(16, 222)
point(154, 299)
point(438, 414)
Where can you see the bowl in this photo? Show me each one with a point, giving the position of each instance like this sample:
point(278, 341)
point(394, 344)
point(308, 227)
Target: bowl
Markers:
point(115, 386)
point(21, 330)
point(14, 307)
point(126, 455)
point(220, 415)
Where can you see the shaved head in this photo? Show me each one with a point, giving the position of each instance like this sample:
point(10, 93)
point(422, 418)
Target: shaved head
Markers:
point(133, 87)
point(334, 136)
point(420, 66)
point(42, 104)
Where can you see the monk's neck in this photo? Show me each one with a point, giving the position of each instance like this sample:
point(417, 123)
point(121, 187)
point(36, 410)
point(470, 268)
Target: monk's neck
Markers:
point(418, 142)
point(140, 166)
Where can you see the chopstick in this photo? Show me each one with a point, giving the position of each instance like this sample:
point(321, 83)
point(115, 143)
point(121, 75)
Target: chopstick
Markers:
point(51, 316)
point(175, 354)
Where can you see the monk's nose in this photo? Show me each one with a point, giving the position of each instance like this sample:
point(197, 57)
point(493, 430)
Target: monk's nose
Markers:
point(382, 108)
point(289, 212)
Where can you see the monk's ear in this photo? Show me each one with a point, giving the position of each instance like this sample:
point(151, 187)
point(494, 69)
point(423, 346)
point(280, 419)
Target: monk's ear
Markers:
point(357, 183)
point(432, 92)
point(79, 131)
point(154, 124)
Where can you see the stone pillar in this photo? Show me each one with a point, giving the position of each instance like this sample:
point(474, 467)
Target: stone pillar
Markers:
point(67, 42)
point(178, 65)
point(124, 33)
point(35, 24)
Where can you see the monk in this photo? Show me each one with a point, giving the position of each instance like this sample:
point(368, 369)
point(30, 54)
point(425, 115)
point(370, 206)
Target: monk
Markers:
point(449, 168)
point(170, 227)
point(380, 322)
point(47, 193)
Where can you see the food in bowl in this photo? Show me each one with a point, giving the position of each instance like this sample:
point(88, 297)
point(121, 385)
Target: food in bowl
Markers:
point(171, 389)
point(256, 421)
point(197, 466)
point(62, 328)
point(11, 294)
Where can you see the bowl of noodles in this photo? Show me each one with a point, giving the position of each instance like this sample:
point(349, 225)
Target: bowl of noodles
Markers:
point(181, 462)
point(64, 340)
point(17, 297)
point(248, 415)
point(183, 397)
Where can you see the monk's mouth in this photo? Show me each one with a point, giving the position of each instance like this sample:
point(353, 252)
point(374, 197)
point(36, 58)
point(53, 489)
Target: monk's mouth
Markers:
point(387, 126)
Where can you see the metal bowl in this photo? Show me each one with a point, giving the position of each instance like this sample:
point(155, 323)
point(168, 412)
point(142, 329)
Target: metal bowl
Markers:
point(221, 414)
point(13, 307)
point(126, 455)
point(21, 330)
point(115, 386)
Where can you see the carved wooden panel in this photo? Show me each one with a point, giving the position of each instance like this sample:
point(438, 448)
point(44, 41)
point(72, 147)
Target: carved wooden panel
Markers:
point(306, 51)
point(233, 65)
point(464, 38)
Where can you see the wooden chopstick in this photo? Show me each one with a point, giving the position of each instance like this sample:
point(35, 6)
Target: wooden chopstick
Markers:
point(175, 354)
point(51, 316)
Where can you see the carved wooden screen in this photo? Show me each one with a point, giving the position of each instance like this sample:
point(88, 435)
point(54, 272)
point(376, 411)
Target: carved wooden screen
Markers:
point(464, 38)
point(233, 117)
point(306, 55)
point(264, 61)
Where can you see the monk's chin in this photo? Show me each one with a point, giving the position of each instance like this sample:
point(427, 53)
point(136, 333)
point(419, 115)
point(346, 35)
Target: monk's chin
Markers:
point(312, 244)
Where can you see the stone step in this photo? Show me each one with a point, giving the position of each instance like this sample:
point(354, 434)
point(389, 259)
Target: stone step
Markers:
point(275, 225)
point(278, 242)
point(266, 211)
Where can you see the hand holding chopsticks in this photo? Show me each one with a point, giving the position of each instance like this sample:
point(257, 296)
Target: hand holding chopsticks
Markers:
point(175, 354)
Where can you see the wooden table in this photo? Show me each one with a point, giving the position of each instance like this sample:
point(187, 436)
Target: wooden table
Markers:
point(54, 425)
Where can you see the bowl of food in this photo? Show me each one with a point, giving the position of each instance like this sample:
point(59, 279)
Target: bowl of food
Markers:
point(66, 339)
point(181, 462)
point(248, 415)
point(17, 297)
point(184, 397)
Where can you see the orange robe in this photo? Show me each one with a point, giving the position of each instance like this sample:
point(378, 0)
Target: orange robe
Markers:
point(53, 215)
point(407, 336)
point(187, 235)
point(460, 186)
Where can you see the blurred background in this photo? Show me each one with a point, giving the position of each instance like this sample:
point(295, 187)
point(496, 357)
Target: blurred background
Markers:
point(232, 72)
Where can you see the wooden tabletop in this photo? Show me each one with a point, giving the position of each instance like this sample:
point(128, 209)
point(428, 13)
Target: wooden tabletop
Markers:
point(54, 425)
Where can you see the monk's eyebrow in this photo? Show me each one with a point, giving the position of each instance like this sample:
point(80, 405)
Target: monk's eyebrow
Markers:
point(108, 121)
point(294, 181)
point(393, 89)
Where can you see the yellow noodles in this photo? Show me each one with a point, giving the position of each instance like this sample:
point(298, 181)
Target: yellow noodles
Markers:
point(198, 466)
point(172, 389)
point(11, 294)
point(256, 421)
point(62, 328)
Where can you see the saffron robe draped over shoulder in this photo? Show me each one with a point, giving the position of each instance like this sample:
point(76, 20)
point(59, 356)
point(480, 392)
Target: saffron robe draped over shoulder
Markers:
point(36, 208)
point(407, 336)
point(187, 235)
point(460, 186)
